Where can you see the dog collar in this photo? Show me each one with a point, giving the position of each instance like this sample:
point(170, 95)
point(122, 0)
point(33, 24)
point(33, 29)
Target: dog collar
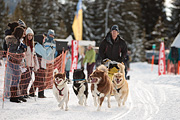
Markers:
point(78, 79)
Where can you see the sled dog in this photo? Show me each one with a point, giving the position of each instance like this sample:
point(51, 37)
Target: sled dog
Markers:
point(80, 86)
point(60, 89)
point(101, 86)
point(120, 84)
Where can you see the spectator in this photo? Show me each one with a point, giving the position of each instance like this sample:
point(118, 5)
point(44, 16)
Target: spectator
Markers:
point(15, 57)
point(9, 31)
point(90, 59)
point(68, 64)
point(31, 61)
point(49, 42)
point(40, 75)
point(22, 24)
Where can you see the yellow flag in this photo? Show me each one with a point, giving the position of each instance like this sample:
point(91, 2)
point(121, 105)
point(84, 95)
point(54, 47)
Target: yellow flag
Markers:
point(78, 22)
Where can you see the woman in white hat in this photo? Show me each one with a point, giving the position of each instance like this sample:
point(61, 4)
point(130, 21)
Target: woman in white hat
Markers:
point(31, 61)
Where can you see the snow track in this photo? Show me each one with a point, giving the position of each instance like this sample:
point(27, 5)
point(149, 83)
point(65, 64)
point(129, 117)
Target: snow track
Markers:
point(151, 97)
point(149, 104)
point(124, 113)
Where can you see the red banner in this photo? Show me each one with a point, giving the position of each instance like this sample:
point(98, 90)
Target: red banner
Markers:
point(74, 55)
point(162, 62)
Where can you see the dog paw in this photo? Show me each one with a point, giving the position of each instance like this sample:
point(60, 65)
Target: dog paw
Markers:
point(119, 105)
point(85, 104)
point(109, 106)
point(80, 103)
point(60, 105)
point(95, 104)
point(99, 108)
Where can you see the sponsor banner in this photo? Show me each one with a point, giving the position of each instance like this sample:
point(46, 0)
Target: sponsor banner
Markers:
point(162, 62)
point(74, 55)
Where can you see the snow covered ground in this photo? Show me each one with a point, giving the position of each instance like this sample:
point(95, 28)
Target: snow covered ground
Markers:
point(151, 97)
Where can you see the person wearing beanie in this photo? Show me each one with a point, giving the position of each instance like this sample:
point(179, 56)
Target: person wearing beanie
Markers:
point(13, 69)
point(30, 60)
point(9, 31)
point(42, 54)
point(113, 47)
point(22, 23)
point(50, 42)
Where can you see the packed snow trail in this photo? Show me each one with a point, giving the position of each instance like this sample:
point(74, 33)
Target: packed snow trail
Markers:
point(151, 97)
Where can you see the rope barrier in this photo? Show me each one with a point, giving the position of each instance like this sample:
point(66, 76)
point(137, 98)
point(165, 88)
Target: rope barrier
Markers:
point(16, 76)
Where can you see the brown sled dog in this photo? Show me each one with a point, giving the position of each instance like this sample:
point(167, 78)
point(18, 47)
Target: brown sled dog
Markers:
point(101, 86)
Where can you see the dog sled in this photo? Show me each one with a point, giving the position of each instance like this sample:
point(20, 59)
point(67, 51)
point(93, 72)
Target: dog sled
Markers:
point(113, 67)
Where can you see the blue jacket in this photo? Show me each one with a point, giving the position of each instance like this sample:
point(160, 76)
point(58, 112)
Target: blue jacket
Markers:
point(45, 53)
point(39, 49)
point(68, 62)
point(48, 43)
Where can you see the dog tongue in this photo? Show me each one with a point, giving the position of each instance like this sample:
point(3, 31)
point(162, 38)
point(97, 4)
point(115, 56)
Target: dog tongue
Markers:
point(93, 80)
point(118, 81)
point(58, 81)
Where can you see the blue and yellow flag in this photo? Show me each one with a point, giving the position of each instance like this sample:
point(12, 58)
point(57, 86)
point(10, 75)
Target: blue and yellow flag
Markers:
point(78, 22)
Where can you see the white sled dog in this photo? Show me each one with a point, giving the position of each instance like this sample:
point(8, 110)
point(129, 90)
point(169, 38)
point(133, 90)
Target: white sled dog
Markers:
point(60, 89)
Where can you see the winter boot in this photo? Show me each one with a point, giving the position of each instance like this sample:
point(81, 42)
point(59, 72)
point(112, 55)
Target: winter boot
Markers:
point(32, 95)
point(14, 97)
point(26, 96)
point(41, 94)
point(22, 99)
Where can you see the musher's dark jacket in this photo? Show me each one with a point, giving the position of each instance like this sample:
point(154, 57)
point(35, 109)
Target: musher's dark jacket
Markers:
point(113, 50)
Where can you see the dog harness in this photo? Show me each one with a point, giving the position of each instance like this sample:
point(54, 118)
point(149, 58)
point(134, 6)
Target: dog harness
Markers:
point(98, 94)
point(78, 79)
point(79, 85)
point(60, 91)
point(118, 89)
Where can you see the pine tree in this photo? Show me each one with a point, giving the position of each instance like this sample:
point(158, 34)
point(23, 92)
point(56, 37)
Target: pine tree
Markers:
point(90, 23)
point(151, 10)
point(175, 18)
point(26, 15)
point(39, 20)
point(52, 16)
point(17, 14)
point(4, 20)
point(68, 12)
point(131, 29)
point(62, 26)
point(94, 20)
point(158, 33)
